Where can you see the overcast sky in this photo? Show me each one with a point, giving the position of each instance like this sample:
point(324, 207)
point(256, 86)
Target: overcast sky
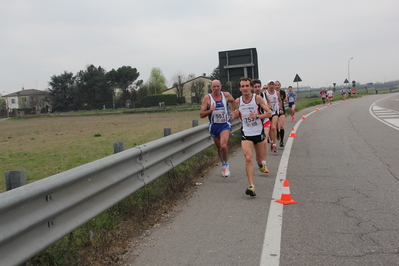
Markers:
point(312, 38)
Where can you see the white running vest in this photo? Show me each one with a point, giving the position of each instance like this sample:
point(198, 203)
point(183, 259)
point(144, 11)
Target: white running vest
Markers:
point(273, 98)
point(250, 126)
point(263, 95)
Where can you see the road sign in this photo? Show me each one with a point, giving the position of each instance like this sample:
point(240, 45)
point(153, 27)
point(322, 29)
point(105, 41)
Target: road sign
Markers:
point(370, 83)
point(297, 78)
point(346, 81)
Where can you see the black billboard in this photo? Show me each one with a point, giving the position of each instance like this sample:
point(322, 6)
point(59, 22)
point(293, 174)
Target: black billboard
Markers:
point(235, 64)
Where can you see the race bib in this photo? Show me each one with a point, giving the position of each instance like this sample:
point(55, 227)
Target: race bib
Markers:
point(219, 116)
point(250, 122)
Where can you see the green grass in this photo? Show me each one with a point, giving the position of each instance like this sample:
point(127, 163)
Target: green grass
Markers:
point(44, 146)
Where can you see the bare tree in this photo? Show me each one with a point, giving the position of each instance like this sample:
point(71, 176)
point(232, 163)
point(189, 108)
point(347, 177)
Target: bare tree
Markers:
point(178, 80)
point(197, 90)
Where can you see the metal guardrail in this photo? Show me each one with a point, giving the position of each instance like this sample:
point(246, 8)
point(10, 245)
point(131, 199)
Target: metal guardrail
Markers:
point(34, 216)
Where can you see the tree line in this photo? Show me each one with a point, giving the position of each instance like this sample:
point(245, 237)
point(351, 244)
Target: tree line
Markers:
point(94, 87)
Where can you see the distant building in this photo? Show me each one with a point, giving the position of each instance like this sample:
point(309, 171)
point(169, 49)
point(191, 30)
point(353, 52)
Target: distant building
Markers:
point(31, 98)
point(193, 90)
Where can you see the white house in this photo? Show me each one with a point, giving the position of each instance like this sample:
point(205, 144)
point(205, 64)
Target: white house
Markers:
point(31, 98)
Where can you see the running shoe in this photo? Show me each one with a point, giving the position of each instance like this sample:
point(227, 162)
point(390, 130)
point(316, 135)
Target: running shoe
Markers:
point(274, 148)
point(263, 168)
point(250, 191)
point(225, 170)
point(294, 118)
point(281, 144)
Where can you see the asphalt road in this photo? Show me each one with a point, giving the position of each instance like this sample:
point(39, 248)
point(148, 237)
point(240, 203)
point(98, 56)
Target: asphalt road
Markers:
point(343, 170)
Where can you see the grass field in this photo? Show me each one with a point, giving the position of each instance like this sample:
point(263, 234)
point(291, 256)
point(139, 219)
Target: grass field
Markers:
point(44, 146)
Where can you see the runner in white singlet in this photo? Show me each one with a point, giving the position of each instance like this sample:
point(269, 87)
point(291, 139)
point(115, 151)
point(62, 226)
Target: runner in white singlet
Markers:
point(252, 134)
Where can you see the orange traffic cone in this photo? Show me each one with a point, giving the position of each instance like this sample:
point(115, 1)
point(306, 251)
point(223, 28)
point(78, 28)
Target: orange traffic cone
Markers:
point(317, 108)
point(293, 135)
point(303, 117)
point(285, 195)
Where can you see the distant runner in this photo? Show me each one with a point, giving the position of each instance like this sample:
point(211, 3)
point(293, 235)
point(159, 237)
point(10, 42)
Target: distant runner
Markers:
point(291, 95)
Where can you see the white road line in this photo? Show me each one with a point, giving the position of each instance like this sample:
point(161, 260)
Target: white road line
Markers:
point(272, 241)
point(394, 122)
point(384, 113)
point(381, 114)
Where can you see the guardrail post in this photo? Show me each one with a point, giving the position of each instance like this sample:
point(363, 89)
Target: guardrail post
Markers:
point(195, 123)
point(118, 147)
point(167, 132)
point(15, 179)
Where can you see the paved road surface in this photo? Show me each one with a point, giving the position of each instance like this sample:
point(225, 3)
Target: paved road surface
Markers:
point(343, 171)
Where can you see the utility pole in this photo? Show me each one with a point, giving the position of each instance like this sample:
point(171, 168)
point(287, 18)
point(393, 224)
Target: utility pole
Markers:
point(349, 79)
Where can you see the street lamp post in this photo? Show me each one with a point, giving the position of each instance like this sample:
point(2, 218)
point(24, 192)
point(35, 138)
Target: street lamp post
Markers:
point(349, 80)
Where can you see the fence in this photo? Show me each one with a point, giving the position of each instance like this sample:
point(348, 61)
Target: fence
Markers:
point(34, 216)
point(302, 93)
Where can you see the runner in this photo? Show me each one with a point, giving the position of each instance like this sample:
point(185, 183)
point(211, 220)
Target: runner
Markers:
point(343, 93)
point(281, 117)
point(275, 103)
point(354, 92)
point(269, 140)
point(323, 94)
point(329, 96)
point(252, 134)
point(266, 123)
point(215, 107)
point(291, 95)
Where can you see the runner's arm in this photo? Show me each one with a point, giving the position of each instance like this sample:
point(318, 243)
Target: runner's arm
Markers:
point(205, 110)
point(231, 100)
point(235, 112)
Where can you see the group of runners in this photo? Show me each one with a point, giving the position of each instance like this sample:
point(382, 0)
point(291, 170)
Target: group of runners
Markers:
point(327, 95)
point(262, 114)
